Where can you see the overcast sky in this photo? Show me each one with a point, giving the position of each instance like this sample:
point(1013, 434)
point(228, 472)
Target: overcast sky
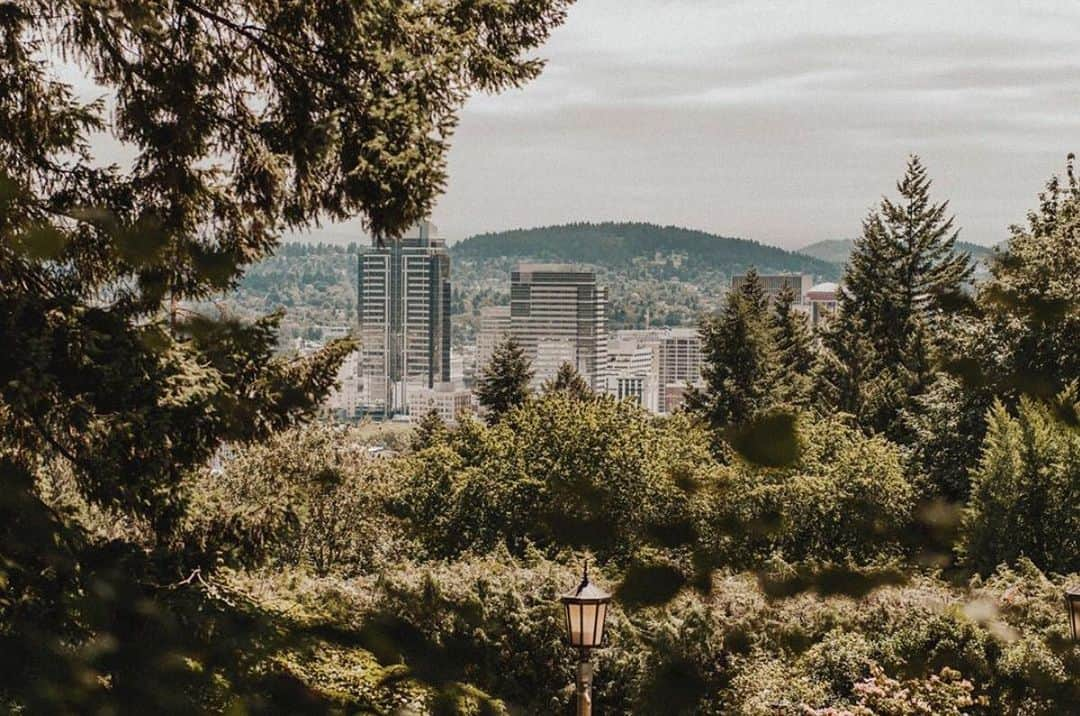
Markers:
point(782, 121)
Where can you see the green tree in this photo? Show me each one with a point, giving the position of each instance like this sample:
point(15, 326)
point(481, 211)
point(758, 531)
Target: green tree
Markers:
point(794, 349)
point(1032, 299)
point(293, 500)
point(556, 472)
point(946, 424)
point(850, 377)
point(739, 360)
point(1020, 337)
point(929, 271)
point(431, 430)
point(1023, 491)
point(753, 291)
point(570, 382)
point(504, 381)
point(245, 119)
point(902, 272)
point(845, 499)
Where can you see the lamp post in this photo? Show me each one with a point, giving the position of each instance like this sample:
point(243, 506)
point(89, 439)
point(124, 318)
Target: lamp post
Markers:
point(586, 610)
point(1072, 601)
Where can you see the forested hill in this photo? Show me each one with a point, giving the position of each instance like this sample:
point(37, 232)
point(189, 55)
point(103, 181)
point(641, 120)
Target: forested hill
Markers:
point(617, 245)
point(837, 250)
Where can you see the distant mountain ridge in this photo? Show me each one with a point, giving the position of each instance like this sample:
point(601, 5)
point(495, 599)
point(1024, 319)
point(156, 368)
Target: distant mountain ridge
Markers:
point(837, 251)
point(619, 245)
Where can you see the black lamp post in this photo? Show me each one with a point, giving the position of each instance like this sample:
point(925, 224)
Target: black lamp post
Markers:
point(586, 610)
point(1072, 601)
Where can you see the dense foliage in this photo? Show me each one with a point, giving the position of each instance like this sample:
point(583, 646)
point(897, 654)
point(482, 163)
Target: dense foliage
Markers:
point(891, 539)
point(244, 119)
point(1024, 491)
point(567, 380)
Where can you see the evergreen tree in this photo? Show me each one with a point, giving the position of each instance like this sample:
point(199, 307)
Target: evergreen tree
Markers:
point(903, 271)
point(753, 291)
point(431, 430)
point(1023, 337)
point(794, 350)
point(928, 271)
point(1023, 492)
point(1032, 300)
point(850, 377)
point(504, 381)
point(246, 119)
point(738, 360)
point(569, 382)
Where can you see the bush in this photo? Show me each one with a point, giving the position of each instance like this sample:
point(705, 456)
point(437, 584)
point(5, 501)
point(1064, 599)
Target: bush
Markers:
point(308, 496)
point(846, 500)
point(556, 472)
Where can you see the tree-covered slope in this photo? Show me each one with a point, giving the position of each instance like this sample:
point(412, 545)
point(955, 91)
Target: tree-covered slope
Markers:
point(615, 245)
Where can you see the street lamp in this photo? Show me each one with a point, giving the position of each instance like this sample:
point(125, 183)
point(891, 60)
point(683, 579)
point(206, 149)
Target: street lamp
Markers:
point(586, 610)
point(1072, 601)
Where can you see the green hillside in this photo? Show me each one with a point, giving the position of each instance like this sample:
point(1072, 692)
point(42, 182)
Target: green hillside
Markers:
point(621, 245)
point(836, 251)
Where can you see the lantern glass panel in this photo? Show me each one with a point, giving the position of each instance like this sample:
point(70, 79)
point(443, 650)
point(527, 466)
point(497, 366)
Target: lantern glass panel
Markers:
point(601, 619)
point(586, 623)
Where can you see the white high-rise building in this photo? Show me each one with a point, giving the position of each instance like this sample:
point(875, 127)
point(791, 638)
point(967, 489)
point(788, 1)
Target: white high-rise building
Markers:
point(344, 401)
point(559, 306)
point(494, 329)
point(404, 311)
point(633, 372)
point(551, 354)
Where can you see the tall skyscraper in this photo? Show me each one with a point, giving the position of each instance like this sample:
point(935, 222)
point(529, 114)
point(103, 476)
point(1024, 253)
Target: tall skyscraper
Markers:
point(558, 312)
point(494, 328)
point(680, 356)
point(404, 312)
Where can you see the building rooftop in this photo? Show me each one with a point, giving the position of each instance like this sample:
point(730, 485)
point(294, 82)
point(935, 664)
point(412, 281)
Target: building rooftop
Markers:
point(549, 268)
point(827, 287)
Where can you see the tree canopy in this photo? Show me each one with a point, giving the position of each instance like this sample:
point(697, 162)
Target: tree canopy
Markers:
point(244, 119)
point(504, 381)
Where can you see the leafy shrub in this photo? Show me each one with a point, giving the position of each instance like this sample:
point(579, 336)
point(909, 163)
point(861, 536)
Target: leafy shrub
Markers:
point(557, 471)
point(944, 694)
point(307, 496)
point(846, 499)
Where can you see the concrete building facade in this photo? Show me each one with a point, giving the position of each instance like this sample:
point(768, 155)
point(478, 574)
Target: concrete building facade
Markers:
point(562, 309)
point(633, 372)
point(404, 315)
point(822, 303)
point(678, 361)
point(494, 329)
point(447, 399)
point(800, 284)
